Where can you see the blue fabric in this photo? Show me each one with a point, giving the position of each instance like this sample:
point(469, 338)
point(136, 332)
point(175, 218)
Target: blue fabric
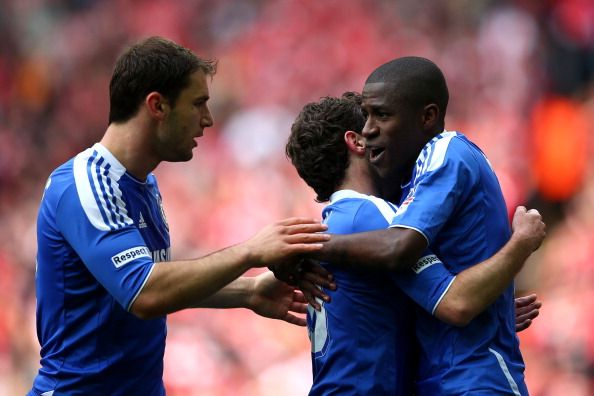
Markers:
point(99, 233)
point(455, 201)
point(363, 340)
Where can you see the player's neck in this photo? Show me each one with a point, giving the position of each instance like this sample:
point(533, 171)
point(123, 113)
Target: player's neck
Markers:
point(358, 178)
point(129, 144)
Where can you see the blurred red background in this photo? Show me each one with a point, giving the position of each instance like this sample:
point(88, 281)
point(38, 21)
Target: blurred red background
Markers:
point(520, 77)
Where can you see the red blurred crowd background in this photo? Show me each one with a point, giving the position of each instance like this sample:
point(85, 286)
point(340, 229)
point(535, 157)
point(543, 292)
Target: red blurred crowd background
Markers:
point(521, 83)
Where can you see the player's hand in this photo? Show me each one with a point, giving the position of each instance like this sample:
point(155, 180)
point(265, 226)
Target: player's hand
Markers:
point(286, 239)
point(274, 299)
point(528, 228)
point(287, 271)
point(527, 308)
point(312, 280)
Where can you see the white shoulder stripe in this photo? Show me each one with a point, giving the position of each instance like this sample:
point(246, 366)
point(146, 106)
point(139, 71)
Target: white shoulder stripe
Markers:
point(96, 181)
point(384, 207)
point(437, 155)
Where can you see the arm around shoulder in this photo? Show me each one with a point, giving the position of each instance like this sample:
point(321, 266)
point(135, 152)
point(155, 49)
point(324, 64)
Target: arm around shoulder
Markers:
point(475, 288)
point(392, 249)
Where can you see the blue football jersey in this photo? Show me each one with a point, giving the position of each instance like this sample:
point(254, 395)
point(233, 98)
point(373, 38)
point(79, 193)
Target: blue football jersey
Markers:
point(363, 340)
point(99, 232)
point(455, 201)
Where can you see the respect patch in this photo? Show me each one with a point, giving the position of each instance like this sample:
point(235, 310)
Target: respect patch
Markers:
point(129, 255)
point(425, 262)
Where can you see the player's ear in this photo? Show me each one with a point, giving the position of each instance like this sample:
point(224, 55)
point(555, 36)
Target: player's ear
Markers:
point(355, 142)
point(157, 105)
point(430, 116)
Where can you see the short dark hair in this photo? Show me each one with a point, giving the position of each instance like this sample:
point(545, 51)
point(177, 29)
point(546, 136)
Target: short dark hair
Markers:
point(316, 146)
point(419, 80)
point(155, 64)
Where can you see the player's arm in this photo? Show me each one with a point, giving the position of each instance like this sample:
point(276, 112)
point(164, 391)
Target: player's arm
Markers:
point(263, 294)
point(172, 286)
point(391, 249)
point(475, 288)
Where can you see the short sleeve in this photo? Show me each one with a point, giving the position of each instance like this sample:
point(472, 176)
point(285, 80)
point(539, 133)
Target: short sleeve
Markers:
point(426, 282)
point(119, 259)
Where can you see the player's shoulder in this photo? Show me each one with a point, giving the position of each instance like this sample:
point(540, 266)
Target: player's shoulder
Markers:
point(351, 211)
point(353, 201)
point(448, 148)
point(59, 181)
point(97, 173)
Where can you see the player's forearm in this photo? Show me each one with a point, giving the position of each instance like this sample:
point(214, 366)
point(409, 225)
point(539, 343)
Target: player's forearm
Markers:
point(182, 284)
point(477, 287)
point(392, 249)
point(235, 295)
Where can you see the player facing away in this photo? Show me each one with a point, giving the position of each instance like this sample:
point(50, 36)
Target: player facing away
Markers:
point(363, 341)
point(104, 281)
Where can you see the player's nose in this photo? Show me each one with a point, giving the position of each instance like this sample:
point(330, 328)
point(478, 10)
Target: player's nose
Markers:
point(370, 129)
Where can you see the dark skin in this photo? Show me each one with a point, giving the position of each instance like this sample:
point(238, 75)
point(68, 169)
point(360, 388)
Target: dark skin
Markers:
point(394, 135)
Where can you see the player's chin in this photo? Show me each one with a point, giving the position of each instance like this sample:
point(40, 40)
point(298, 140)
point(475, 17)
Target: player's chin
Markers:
point(181, 156)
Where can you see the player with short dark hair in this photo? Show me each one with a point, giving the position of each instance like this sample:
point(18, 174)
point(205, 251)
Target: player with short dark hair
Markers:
point(104, 280)
point(452, 203)
point(362, 343)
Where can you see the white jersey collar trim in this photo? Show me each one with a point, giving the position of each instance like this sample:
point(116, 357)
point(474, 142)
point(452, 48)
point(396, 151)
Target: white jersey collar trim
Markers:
point(104, 152)
point(343, 194)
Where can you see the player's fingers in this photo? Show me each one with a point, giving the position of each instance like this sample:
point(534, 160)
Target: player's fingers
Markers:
point(319, 293)
point(299, 297)
point(298, 307)
point(313, 295)
point(302, 248)
point(308, 291)
point(296, 320)
point(297, 220)
point(528, 315)
point(523, 326)
point(321, 271)
point(535, 306)
point(319, 280)
point(520, 210)
point(525, 300)
point(305, 228)
point(307, 238)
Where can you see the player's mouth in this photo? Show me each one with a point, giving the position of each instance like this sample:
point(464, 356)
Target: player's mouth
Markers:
point(195, 139)
point(375, 154)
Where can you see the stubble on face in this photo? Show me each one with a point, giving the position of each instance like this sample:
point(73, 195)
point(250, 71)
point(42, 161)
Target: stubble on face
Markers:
point(183, 123)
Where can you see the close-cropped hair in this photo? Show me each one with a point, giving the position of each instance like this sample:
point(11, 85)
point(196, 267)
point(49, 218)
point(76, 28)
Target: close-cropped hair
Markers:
point(419, 81)
point(153, 65)
point(316, 145)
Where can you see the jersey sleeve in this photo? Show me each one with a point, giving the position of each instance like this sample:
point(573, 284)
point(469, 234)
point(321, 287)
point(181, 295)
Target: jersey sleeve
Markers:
point(119, 258)
point(439, 188)
point(426, 282)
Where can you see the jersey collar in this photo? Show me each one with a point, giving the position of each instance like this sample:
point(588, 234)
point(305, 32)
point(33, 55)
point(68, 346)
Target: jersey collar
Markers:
point(343, 194)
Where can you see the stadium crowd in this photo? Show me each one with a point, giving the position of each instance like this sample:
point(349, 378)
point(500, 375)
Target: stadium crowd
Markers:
point(521, 84)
